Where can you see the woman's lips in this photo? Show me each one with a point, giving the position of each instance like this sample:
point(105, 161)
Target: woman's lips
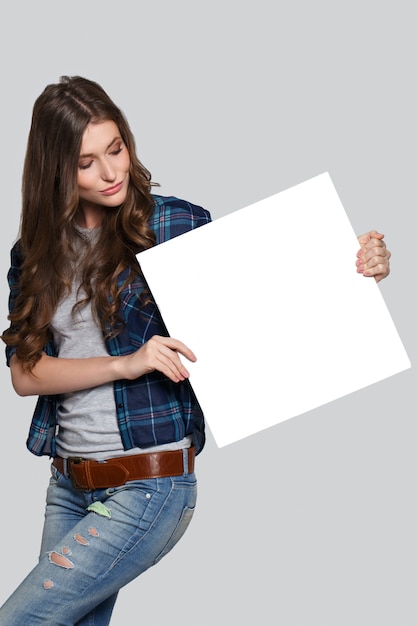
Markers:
point(112, 190)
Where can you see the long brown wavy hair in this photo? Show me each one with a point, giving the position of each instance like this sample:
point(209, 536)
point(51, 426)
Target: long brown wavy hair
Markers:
point(50, 201)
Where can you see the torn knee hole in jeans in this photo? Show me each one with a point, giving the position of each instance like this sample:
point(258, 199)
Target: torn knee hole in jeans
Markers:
point(81, 540)
point(48, 584)
point(61, 558)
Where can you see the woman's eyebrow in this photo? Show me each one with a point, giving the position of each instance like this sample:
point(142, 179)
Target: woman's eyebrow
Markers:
point(90, 154)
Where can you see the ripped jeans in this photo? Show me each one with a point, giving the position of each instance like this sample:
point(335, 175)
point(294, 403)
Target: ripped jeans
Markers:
point(94, 543)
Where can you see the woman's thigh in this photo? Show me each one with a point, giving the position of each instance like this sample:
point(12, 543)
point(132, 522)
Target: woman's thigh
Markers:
point(95, 542)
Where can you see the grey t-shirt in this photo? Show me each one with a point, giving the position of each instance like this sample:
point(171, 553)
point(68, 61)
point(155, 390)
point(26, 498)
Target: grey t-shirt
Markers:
point(87, 419)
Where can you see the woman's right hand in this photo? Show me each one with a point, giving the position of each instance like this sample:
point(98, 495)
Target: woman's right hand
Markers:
point(158, 354)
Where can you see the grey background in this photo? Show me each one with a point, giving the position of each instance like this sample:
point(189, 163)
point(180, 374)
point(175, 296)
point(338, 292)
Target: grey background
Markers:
point(311, 522)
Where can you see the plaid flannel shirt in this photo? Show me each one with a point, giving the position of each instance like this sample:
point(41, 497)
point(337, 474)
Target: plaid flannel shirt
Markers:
point(151, 410)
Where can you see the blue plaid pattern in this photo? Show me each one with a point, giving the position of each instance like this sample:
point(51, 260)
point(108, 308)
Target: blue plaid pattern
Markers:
point(151, 410)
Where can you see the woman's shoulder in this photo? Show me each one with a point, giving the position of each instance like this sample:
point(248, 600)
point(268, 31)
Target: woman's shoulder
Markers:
point(171, 205)
point(173, 216)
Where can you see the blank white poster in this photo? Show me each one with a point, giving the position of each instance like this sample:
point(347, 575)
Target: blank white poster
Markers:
point(269, 300)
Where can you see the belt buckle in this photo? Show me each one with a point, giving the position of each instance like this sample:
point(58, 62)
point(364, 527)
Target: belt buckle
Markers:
point(71, 461)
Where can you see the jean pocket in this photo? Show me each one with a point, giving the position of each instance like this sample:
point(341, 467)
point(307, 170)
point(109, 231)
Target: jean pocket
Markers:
point(179, 530)
point(56, 477)
point(55, 474)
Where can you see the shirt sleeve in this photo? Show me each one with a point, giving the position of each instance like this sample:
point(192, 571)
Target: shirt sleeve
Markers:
point(173, 217)
point(13, 277)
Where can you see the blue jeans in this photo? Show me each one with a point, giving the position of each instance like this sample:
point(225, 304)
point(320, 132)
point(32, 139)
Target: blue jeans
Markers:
point(93, 543)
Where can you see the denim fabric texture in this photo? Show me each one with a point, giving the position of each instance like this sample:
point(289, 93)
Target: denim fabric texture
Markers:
point(95, 542)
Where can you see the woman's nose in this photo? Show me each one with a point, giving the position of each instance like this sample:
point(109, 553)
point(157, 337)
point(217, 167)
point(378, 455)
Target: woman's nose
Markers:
point(108, 172)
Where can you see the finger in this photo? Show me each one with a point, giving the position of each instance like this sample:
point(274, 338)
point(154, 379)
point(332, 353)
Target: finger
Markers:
point(165, 357)
point(374, 250)
point(177, 346)
point(379, 271)
point(373, 245)
point(174, 370)
point(379, 277)
point(376, 265)
point(380, 255)
point(366, 236)
point(374, 262)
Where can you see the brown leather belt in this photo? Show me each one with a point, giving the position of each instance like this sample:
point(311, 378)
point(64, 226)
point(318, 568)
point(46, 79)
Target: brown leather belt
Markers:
point(88, 474)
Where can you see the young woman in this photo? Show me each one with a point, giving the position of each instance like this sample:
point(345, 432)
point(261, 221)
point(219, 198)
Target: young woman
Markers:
point(115, 410)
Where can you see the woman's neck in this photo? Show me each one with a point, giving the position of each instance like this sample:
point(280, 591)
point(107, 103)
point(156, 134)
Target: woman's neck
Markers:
point(89, 216)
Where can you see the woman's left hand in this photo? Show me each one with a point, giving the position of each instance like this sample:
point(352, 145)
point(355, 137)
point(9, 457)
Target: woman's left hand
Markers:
point(373, 256)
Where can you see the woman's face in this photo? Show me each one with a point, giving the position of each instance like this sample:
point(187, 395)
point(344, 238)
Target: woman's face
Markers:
point(103, 168)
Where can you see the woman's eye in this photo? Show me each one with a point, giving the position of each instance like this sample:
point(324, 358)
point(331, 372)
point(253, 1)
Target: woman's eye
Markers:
point(85, 166)
point(117, 151)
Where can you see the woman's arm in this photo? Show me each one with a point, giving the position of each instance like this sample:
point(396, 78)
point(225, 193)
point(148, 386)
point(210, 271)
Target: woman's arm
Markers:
point(52, 375)
point(373, 256)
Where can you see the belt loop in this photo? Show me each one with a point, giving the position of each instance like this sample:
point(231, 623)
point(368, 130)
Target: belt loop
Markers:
point(65, 468)
point(185, 460)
